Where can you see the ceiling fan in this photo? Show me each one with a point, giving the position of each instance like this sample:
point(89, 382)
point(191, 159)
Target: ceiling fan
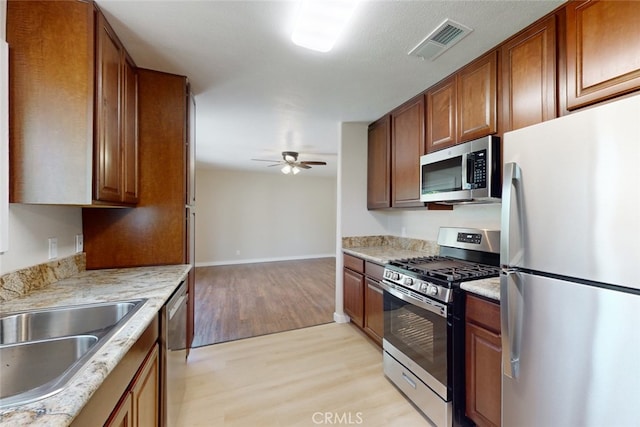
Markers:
point(290, 163)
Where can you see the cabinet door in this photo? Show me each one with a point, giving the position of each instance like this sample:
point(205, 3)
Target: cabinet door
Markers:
point(483, 375)
point(129, 130)
point(107, 145)
point(407, 145)
point(121, 416)
point(441, 115)
point(51, 108)
point(477, 98)
point(146, 392)
point(529, 76)
point(353, 293)
point(483, 364)
point(379, 164)
point(602, 50)
point(162, 240)
point(373, 311)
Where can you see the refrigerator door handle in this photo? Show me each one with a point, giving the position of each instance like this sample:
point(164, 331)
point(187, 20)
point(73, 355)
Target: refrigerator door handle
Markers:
point(511, 322)
point(512, 175)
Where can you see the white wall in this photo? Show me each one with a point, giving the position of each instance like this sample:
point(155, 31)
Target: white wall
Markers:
point(356, 219)
point(264, 216)
point(3, 18)
point(30, 227)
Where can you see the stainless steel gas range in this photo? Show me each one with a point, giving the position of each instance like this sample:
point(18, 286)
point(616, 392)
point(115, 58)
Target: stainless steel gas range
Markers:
point(424, 320)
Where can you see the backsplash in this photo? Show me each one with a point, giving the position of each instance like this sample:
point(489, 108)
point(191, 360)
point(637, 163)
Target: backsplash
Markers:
point(393, 241)
point(21, 282)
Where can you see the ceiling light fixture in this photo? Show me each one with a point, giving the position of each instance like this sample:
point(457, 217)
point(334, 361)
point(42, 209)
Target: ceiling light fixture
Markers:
point(319, 23)
point(286, 169)
point(295, 170)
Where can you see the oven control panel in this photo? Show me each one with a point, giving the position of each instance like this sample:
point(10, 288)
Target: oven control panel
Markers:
point(432, 290)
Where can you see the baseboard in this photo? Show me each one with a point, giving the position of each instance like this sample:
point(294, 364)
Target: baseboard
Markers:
point(259, 260)
point(341, 318)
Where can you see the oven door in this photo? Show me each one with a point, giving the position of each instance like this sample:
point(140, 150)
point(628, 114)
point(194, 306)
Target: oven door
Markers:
point(416, 333)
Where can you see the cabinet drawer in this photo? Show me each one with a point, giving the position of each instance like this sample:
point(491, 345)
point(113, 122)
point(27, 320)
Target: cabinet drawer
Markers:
point(373, 270)
point(354, 263)
point(483, 313)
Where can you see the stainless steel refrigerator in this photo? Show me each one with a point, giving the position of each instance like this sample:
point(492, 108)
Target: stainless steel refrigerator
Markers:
point(570, 284)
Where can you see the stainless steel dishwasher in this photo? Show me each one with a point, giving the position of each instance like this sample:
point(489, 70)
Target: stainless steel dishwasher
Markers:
point(174, 360)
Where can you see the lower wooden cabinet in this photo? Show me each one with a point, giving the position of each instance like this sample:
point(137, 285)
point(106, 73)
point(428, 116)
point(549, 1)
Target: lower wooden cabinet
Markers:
point(353, 287)
point(362, 295)
point(373, 311)
point(139, 407)
point(483, 364)
point(145, 392)
point(122, 415)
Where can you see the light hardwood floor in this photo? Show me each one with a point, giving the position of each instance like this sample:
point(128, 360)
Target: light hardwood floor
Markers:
point(247, 300)
point(322, 375)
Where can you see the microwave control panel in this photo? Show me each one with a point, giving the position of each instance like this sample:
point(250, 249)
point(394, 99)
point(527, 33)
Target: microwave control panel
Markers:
point(477, 169)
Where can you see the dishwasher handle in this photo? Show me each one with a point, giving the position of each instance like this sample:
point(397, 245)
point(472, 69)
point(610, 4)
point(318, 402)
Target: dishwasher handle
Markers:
point(173, 309)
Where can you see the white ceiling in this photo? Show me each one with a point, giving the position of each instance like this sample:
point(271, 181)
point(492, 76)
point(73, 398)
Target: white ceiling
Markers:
point(258, 94)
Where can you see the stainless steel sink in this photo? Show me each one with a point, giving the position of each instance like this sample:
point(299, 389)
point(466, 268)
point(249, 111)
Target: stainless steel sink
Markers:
point(35, 368)
point(41, 350)
point(59, 322)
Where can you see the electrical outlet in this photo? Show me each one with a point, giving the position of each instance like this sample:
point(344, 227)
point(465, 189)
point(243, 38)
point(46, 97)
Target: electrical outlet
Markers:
point(53, 247)
point(79, 243)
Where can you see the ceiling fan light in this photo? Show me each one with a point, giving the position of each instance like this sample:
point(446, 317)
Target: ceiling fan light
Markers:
point(295, 170)
point(286, 169)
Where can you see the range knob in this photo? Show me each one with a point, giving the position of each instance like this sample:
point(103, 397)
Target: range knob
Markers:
point(424, 287)
point(408, 281)
point(396, 276)
point(433, 290)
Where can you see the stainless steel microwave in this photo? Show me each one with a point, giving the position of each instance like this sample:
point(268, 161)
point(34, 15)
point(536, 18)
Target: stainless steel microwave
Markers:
point(465, 173)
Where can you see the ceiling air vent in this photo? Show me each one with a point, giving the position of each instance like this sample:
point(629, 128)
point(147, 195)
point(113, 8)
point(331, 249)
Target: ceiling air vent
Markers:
point(439, 40)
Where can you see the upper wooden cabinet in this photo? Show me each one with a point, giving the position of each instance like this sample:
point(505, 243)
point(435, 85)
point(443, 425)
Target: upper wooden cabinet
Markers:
point(379, 164)
point(478, 98)
point(160, 221)
point(602, 50)
point(68, 77)
point(407, 145)
point(529, 76)
point(441, 115)
point(463, 106)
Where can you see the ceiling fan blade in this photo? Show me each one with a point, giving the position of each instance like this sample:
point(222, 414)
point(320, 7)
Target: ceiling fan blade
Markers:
point(303, 165)
point(314, 163)
point(275, 164)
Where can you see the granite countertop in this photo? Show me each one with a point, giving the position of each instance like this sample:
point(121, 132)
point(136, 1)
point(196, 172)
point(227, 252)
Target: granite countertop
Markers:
point(383, 254)
point(93, 286)
point(382, 249)
point(489, 288)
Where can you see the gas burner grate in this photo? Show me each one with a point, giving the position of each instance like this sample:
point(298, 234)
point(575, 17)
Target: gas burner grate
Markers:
point(445, 268)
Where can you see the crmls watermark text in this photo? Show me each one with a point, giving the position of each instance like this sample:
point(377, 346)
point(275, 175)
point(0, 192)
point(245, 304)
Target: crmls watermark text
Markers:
point(335, 418)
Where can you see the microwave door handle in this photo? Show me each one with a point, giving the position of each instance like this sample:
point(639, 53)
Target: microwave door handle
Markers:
point(471, 167)
point(465, 173)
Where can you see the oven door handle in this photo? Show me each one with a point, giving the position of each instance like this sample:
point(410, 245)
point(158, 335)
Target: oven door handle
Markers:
point(439, 309)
